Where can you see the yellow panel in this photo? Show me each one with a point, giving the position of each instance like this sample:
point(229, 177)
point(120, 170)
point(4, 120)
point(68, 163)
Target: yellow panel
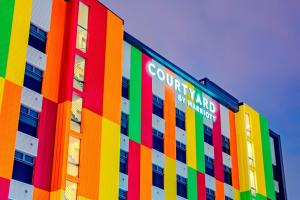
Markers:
point(109, 160)
point(170, 178)
point(236, 194)
point(190, 135)
point(82, 198)
point(57, 195)
point(1, 91)
point(18, 41)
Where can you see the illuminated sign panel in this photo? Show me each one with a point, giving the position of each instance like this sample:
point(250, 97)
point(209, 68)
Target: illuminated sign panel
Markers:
point(196, 101)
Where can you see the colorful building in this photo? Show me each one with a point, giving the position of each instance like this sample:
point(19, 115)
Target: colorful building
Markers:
point(90, 112)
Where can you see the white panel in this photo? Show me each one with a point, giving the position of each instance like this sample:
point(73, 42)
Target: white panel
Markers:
point(181, 169)
point(124, 142)
point(180, 135)
point(41, 13)
point(123, 181)
point(158, 87)
point(36, 58)
point(31, 99)
point(126, 60)
point(225, 126)
point(158, 158)
point(209, 150)
point(227, 160)
point(158, 123)
point(20, 191)
point(273, 151)
point(276, 185)
point(210, 182)
point(26, 143)
point(228, 190)
point(125, 105)
point(157, 193)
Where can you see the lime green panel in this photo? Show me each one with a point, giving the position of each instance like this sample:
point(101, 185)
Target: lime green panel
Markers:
point(200, 141)
point(192, 184)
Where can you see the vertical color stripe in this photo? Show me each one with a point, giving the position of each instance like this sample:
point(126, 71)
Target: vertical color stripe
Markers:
point(192, 184)
point(2, 81)
point(219, 190)
point(4, 188)
point(40, 194)
point(236, 194)
point(201, 186)
point(170, 180)
point(146, 173)
point(135, 90)
point(146, 103)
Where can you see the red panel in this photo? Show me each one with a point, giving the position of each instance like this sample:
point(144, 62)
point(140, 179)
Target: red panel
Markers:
point(4, 188)
point(46, 136)
point(94, 70)
point(146, 103)
point(217, 141)
point(201, 186)
point(134, 171)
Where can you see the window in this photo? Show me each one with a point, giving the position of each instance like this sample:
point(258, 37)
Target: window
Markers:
point(180, 119)
point(252, 182)
point(37, 38)
point(122, 194)
point(226, 144)
point(73, 156)
point(28, 121)
point(125, 88)
point(180, 152)
point(158, 106)
point(227, 175)
point(250, 153)
point(158, 176)
point(124, 123)
point(208, 138)
point(158, 140)
point(210, 194)
point(81, 41)
point(71, 190)
point(76, 112)
point(181, 186)
point(123, 162)
point(23, 167)
point(79, 67)
point(209, 166)
point(33, 78)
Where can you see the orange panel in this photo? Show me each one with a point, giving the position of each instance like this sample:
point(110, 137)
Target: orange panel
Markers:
point(90, 151)
point(9, 118)
point(220, 190)
point(54, 50)
point(146, 173)
point(39, 194)
point(113, 68)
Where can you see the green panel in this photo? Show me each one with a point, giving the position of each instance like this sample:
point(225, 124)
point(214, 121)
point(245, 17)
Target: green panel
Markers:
point(246, 195)
point(260, 197)
point(267, 157)
point(6, 17)
point(135, 95)
point(200, 140)
point(192, 184)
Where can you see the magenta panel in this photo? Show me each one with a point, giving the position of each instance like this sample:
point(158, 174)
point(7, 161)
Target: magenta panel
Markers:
point(201, 186)
point(134, 171)
point(4, 188)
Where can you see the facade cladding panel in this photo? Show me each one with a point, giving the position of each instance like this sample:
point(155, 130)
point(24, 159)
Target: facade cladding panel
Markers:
point(102, 116)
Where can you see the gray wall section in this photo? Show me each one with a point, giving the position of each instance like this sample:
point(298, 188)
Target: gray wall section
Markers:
point(31, 99)
point(26, 143)
point(41, 13)
point(210, 182)
point(20, 191)
point(158, 158)
point(36, 58)
point(225, 124)
point(126, 60)
point(157, 193)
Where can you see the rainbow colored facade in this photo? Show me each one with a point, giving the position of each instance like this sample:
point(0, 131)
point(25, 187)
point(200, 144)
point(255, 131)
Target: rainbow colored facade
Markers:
point(89, 112)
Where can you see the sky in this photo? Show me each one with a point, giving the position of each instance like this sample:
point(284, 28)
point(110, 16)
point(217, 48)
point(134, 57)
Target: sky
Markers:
point(250, 48)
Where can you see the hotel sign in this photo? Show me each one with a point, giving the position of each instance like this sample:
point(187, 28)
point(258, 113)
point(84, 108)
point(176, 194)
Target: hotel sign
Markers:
point(196, 100)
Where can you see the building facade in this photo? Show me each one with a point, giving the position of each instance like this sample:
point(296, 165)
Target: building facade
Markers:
point(90, 112)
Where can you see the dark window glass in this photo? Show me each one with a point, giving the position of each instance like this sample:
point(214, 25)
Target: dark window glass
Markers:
point(124, 123)
point(228, 198)
point(227, 175)
point(158, 106)
point(33, 78)
point(123, 162)
point(210, 194)
point(208, 135)
point(125, 88)
point(158, 140)
point(23, 167)
point(225, 144)
point(181, 186)
point(37, 38)
point(122, 194)
point(209, 166)
point(180, 119)
point(28, 121)
point(180, 152)
point(158, 176)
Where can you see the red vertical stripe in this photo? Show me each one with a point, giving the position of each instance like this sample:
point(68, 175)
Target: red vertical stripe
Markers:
point(4, 188)
point(134, 171)
point(146, 103)
point(95, 62)
point(217, 142)
point(46, 136)
point(201, 186)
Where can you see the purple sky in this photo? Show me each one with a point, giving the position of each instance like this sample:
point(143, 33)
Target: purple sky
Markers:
point(250, 48)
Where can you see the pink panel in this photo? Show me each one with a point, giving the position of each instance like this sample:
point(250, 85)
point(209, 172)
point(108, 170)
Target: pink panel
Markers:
point(4, 188)
point(134, 171)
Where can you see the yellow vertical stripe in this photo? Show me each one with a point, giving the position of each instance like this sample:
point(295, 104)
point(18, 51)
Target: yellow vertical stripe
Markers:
point(170, 179)
point(236, 194)
point(109, 160)
point(18, 41)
